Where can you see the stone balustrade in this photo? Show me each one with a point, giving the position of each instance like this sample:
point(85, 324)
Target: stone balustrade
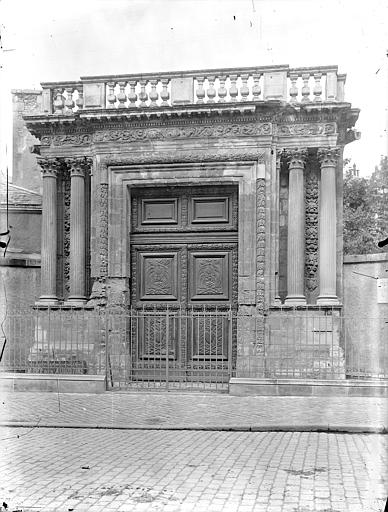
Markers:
point(218, 86)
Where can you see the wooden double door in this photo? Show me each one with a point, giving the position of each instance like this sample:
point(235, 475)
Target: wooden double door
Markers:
point(183, 282)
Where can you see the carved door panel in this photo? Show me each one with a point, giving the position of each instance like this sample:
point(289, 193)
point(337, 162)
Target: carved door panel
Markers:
point(183, 282)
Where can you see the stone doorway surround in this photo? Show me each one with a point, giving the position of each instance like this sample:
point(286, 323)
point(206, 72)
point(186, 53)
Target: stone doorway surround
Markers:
point(111, 236)
point(245, 174)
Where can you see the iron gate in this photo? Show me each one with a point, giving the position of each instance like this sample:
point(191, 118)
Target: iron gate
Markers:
point(145, 349)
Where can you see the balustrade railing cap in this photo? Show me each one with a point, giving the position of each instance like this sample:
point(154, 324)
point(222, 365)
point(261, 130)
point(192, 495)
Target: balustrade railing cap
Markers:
point(313, 69)
point(188, 73)
point(73, 83)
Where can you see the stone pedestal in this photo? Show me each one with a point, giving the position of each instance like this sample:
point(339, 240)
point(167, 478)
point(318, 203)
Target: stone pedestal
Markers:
point(296, 228)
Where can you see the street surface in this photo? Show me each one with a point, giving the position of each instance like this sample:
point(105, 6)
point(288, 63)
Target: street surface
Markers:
point(64, 469)
point(194, 410)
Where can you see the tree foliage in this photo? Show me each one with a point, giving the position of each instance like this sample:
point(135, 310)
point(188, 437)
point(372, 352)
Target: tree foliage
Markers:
point(366, 210)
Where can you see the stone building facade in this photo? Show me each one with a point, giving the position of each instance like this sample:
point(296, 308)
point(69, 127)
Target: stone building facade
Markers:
point(213, 190)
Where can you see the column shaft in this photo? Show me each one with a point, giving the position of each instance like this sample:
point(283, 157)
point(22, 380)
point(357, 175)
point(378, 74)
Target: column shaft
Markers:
point(78, 167)
point(328, 228)
point(296, 229)
point(49, 233)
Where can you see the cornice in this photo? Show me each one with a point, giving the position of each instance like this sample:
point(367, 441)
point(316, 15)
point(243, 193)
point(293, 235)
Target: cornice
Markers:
point(76, 131)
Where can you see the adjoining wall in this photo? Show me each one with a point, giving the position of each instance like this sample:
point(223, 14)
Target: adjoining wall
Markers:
point(366, 314)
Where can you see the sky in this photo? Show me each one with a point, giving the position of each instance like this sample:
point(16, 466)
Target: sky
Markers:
point(48, 40)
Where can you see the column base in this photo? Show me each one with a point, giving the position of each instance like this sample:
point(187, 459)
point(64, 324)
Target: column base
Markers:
point(328, 300)
point(277, 301)
point(47, 300)
point(295, 300)
point(75, 301)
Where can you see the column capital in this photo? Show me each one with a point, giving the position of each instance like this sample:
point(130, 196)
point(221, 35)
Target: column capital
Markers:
point(328, 157)
point(50, 167)
point(79, 166)
point(296, 157)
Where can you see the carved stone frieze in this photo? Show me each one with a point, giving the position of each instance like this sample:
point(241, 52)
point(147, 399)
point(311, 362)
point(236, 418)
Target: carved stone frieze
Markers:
point(183, 132)
point(311, 231)
point(159, 133)
point(306, 129)
point(222, 155)
point(70, 139)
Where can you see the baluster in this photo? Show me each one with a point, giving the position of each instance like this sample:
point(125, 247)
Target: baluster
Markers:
point(154, 96)
point(200, 90)
point(111, 94)
point(317, 87)
point(256, 89)
point(211, 92)
point(164, 93)
point(305, 88)
point(293, 88)
point(143, 96)
point(122, 97)
point(233, 90)
point(244, 91)
point(80, 100)
point(132, 96)
point(222, 92)
point(69, 103)
point(58, 103)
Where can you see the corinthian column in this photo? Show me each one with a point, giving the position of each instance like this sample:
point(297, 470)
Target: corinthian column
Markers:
point(50, 169)
point(78, 168)
point(296, 227)
point(327, 243)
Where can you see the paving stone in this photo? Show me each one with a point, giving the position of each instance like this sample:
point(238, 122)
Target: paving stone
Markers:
point(126, 470)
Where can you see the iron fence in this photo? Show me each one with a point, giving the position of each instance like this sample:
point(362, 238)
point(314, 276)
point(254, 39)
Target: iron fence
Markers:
point(194, 349)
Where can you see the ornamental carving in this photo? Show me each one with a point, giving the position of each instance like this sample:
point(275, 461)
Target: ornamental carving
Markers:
point(31, 103)
point(306, 129)
point(296, 158)
point(50, 167)
point(102, 194)
point(209, 276)
point(72, 139)
point(260, 244)
point(79, 166)
point(183, 132)
point(66, 231)
point(328, 157)
point(158, 133)
point(311, 231)
point(158, 276)
point(222, 155)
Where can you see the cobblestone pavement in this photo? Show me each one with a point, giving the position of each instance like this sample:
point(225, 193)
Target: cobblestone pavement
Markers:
point(182, 411)
point(138, 470)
